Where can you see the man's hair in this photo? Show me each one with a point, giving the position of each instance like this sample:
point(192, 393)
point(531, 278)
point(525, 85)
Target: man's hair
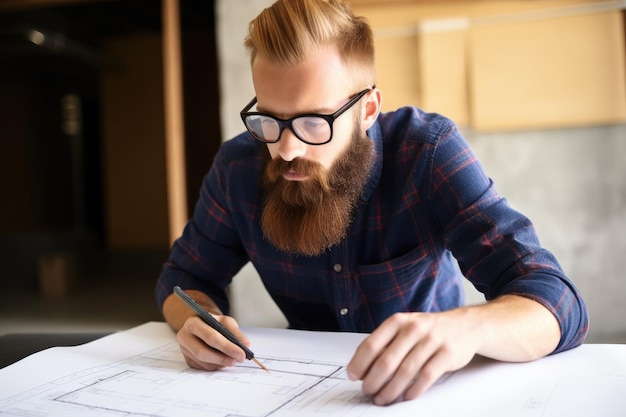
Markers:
point(290, 30)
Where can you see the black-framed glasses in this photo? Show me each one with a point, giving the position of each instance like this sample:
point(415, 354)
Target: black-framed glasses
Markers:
point(310, 128)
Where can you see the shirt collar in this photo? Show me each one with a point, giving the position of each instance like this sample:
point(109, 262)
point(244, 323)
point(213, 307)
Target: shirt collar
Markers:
point(375, 134)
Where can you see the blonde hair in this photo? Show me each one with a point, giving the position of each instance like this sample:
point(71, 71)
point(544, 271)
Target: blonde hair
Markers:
point(290, 30)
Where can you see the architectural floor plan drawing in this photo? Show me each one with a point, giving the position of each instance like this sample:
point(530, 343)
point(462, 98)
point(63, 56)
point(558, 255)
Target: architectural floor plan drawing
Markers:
point(140, 372)
point(157, 383)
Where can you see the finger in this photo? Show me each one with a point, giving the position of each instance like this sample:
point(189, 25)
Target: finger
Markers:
point(199, 365)
point(385, 368)
point(406, 372)
point(371, 347)
point(200, 355)
point(205, 357)
point(430, 373)
point(216, 340)
point(231, 324)
point(207, 345)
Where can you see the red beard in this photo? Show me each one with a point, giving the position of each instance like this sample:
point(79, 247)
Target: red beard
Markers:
point(308, 217)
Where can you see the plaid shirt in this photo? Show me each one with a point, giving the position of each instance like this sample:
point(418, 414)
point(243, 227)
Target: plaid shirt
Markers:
point(428, 216)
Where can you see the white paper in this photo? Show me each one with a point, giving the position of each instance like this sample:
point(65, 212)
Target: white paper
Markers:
point(141, 372)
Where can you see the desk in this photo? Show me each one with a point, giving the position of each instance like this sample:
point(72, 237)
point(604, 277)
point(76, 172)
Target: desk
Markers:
point(141, 372)
point(16, 346)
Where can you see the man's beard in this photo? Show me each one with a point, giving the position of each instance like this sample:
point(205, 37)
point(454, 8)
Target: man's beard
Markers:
point(308, 217)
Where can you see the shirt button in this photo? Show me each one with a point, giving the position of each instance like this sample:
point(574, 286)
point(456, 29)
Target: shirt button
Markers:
point(343, 311)
point(337, 267)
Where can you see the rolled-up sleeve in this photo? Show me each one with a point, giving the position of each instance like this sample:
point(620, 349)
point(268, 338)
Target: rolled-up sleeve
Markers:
point(496, 246)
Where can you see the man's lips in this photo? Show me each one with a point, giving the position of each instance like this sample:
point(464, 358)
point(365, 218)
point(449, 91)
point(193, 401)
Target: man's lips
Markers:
point(293, 175)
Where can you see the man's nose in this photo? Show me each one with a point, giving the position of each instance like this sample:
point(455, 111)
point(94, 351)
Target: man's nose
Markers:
point(289, 146)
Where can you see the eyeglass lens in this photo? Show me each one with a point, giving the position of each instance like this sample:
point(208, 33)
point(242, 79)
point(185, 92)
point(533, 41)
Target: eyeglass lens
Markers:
point(310, 129)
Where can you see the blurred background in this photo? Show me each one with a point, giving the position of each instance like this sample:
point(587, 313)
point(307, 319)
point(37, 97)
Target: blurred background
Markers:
point(537, 87)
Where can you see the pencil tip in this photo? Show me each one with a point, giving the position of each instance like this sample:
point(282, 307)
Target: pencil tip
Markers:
point(261, 365)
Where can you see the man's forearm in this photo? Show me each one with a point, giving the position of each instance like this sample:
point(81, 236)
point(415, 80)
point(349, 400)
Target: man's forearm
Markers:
point(516, 329)
point(176, 312)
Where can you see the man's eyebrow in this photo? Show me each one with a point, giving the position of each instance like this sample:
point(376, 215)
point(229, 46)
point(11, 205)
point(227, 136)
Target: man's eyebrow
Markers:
point(320, 110)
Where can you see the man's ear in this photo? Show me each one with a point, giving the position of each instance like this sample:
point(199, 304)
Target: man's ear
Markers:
point(371, 108)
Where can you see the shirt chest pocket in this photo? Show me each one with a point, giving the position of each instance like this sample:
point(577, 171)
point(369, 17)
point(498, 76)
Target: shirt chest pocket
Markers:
point(391, 285)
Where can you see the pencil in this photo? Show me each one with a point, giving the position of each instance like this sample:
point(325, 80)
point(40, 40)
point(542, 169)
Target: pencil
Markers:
point(211, 321)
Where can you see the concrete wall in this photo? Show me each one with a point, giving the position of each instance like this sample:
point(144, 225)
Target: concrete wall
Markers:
point(570, 182)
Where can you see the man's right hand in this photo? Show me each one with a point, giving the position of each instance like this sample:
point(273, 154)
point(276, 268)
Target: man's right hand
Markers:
point(205, 348)
point(202, 346)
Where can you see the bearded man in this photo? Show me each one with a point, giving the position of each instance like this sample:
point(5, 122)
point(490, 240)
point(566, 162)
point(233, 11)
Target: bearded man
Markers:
point(361, 221)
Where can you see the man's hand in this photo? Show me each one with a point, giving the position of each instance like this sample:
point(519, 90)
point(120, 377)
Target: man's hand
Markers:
point(409, 352)
point(205, 348)
point(202, 346)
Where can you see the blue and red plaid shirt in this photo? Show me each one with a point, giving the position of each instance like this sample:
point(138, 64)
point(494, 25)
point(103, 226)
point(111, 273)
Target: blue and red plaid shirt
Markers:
point(428, 216)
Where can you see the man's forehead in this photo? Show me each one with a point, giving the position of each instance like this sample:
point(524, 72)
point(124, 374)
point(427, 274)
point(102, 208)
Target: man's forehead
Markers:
point(318, 84)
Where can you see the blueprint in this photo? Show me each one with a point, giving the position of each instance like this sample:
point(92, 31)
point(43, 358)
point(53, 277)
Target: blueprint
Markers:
point(141, 372)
